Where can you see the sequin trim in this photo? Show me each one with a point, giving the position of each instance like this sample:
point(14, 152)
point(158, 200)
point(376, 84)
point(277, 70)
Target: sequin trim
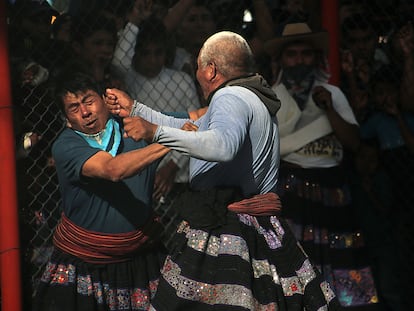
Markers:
point(63, 274)
point(323, 308)
point(212, 245)
point(263, 268)
point(273, 238)
point(115, 298)
point(225, 294)
point(306, 273)
point(291, 286)
point(327, 291)
point(84, 285)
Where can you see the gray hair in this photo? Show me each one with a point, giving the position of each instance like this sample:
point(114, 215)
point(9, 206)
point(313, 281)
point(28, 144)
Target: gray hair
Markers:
point(230, 52)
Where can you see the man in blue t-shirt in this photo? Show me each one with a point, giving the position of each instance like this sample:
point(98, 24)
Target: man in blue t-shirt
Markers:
point(106, 248)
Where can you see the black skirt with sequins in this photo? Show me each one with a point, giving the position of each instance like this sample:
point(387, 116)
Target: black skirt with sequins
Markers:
point(244, 263)
point(70, 284)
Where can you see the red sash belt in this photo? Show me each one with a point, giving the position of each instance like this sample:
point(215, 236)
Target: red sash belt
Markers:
point(97, 247)
point(267, 204)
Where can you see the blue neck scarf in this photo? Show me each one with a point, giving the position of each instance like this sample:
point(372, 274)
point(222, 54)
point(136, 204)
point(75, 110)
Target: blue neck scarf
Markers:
point(299, 80)
point(108, 139)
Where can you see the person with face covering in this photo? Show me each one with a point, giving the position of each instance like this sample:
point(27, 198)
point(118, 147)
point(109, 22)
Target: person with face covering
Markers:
point(317, 127)
point(232, 251)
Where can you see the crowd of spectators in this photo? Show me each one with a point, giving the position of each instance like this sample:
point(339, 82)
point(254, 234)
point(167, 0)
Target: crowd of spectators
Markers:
point(149, 48)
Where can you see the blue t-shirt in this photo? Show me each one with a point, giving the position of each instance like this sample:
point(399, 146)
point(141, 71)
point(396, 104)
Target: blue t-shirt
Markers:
point(385, 129)
point(97, 204)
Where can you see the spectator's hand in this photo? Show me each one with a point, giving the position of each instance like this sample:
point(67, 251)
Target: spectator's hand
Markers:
point(35, 138)
point(188, 126)
point(34, 74)
point(164, 180)
point(25, 145)
point(322, 97)
point(405, 37)
point(141, 10)
point(118, 102)
point(138, 128)
point(30, 139)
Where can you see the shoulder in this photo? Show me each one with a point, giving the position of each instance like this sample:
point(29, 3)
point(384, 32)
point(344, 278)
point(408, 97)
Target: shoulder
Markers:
point(65, 137)
point(232, 98)
point(233, 90)
point(68, 144)
point(330, 87)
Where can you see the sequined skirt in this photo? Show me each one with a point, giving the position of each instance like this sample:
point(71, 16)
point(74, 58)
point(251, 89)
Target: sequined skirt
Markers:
point(69, 284)
point(317, 204)
point(248, 263)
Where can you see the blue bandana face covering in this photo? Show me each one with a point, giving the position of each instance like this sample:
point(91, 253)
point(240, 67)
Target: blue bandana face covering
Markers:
point(108, 139)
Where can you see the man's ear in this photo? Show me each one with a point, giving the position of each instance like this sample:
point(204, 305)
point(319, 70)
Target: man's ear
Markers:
point(212, 71)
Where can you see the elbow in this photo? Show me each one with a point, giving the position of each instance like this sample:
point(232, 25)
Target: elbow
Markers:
point(227, 157)
point(113, 173)
point(223, 155)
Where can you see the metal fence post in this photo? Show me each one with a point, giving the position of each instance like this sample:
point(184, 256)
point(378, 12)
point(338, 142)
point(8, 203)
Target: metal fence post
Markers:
point(9, 232)
point(330, 22)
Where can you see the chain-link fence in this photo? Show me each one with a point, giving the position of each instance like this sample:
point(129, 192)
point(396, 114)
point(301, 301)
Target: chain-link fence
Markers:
point(93, 36)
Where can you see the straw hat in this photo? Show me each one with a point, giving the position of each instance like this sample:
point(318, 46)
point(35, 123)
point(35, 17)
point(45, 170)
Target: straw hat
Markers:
point(297, 32)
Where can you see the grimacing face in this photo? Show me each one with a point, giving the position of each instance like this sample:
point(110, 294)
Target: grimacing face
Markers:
point(86, 111)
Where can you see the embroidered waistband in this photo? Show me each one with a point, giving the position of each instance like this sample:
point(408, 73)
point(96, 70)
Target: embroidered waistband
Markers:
point(97, 247)
point(267, 204)
point(207, 209)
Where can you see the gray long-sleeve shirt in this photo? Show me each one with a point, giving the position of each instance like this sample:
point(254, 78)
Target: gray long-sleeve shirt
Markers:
point(237, 143)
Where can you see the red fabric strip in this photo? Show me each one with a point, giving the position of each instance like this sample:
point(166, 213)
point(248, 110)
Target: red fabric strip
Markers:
point(267, 204)
point(96, 247)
